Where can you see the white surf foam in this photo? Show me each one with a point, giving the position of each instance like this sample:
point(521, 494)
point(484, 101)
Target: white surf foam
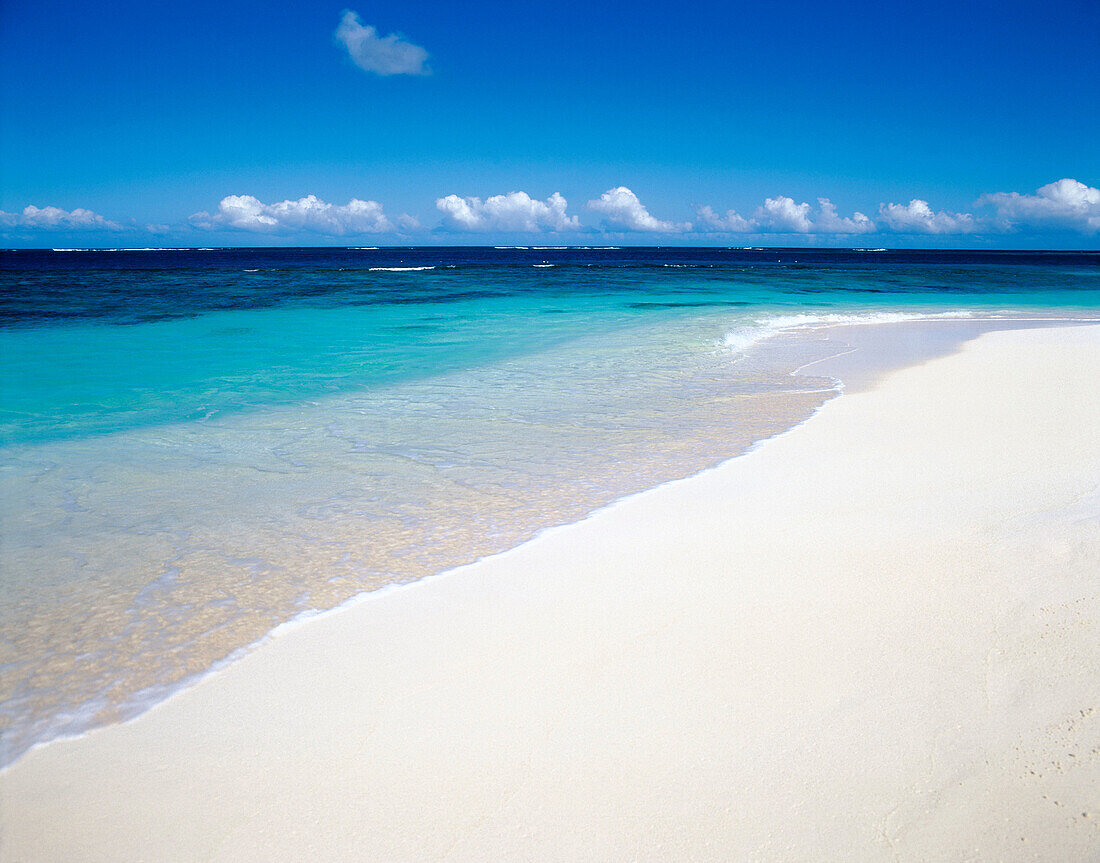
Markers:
point(743, 338)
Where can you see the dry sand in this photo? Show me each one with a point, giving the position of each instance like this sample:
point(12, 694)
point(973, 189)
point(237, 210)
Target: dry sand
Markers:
point(875, 637)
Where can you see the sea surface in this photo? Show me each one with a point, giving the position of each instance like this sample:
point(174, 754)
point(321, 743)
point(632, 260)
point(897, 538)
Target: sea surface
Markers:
point(200, 445)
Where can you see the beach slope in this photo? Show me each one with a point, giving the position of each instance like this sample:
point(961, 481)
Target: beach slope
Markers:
point(875, 637)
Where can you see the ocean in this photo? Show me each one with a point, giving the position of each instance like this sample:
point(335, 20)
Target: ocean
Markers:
point(201, 445)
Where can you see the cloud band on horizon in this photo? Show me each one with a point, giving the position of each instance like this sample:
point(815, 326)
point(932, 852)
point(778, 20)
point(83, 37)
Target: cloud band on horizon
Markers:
point(310, 213)
point(54, 217)
point(516, 211)
point(1066, 205)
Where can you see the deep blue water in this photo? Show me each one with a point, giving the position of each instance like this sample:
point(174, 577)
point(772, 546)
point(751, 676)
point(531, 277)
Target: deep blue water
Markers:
point(138, 286)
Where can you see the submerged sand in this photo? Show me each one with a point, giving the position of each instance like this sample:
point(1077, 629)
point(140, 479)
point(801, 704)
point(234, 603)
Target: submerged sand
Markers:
point(875, 637)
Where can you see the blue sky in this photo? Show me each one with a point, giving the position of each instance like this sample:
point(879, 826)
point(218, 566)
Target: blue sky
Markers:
point(241, 123)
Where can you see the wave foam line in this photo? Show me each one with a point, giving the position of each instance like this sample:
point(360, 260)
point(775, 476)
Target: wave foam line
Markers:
point(741, 340)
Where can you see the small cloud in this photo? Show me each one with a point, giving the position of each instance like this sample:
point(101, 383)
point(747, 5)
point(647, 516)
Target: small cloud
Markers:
point(310, 213)
point(781, 215)
point(917, 217)
point(1063, 204)
point(383, 55)
point(830, 222)
point(732, 222)
point(622, 209)
point(55, 218)
point(516, 211)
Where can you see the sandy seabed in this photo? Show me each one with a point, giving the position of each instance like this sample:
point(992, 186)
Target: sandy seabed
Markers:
point(875, 637)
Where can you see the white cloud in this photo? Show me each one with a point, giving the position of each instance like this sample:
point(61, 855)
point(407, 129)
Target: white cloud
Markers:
point(310, 213)
point(917, 217)
point(383, 55)
point(56, 218)
point(516, 211)
point(781, 215)
point(732, 222)
point(829, 222)
point(1066, 203)
point(622, 209)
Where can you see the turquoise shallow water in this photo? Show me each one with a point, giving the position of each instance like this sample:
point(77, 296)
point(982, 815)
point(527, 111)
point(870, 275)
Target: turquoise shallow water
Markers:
point(199, 446)
point(140, 338)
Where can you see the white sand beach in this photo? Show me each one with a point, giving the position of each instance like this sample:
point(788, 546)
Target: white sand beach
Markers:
point(875, 637)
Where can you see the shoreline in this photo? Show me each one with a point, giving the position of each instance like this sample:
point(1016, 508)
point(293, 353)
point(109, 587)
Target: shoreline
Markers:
point(872, 343)
point(488, 601)
point(875, 351)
